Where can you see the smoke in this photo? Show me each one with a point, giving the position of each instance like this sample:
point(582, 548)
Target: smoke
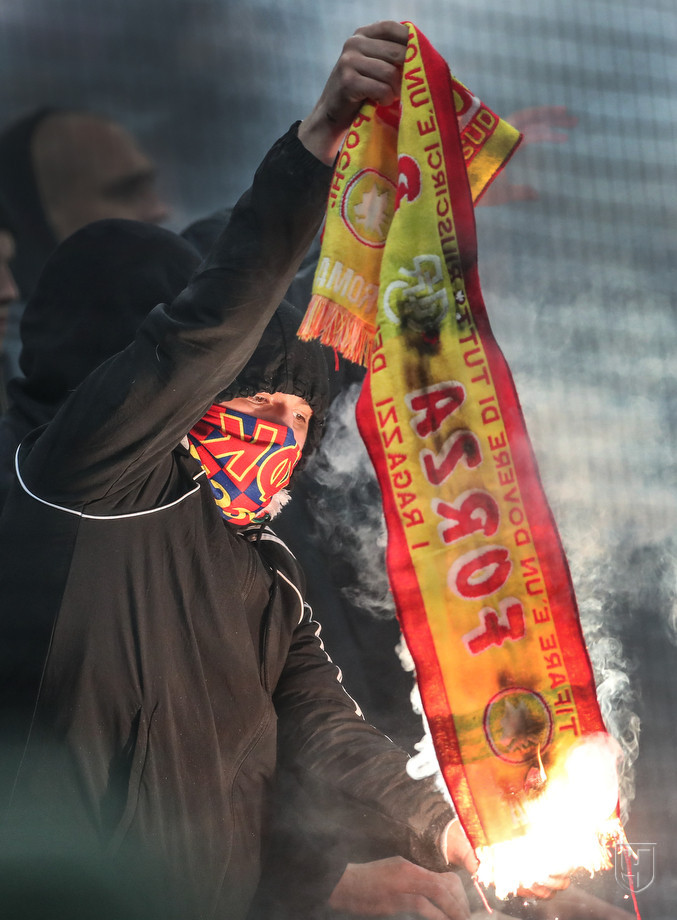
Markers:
point(627, 590)
point(349, 511)
point(603, 602)
point(350, 516)
point(424, 762)
point(668, 582)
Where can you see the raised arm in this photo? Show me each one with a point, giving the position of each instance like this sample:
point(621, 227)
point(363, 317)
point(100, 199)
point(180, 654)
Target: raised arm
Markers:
point(370, 67)
point(136, 408)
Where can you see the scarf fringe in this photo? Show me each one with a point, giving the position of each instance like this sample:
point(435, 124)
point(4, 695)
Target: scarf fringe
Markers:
point(334, 325)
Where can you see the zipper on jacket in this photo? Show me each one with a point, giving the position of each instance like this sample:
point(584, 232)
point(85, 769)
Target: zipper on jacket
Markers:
point(267, 613)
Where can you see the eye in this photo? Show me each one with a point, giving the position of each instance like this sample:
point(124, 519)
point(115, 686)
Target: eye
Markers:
point(301, 418)
point(259, 400)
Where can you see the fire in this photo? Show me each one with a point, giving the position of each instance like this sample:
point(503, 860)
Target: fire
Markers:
point(568, 821)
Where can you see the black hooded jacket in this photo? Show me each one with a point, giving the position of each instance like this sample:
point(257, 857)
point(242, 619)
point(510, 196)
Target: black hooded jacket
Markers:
point(66, 335)
point(155, 662)
point(7, 226)
point(34, 236)
point(282, 363)
point(363, 642)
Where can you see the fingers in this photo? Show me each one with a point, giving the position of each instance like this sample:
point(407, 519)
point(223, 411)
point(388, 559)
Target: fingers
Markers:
point(362, 77)
point(543, 123)
point(546, 889)
point(544, 134)
point(370, 64)
point(458, 851)
point(502, 192)
point(394, 886)
point(457, 848)
point(369, 67)
point(380, 58)
point(444, 892)
point(538, 124)
point(387, 30)
point(557, 115)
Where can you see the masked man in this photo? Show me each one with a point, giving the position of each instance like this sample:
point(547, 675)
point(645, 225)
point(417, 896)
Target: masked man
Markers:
point(156, 653)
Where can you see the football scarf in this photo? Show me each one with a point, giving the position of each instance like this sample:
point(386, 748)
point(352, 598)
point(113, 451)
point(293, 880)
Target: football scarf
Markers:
point(375, 172)
point(247, 460)
point(479, 577)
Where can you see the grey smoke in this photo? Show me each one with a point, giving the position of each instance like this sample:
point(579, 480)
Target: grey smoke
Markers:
point(350, 515)
point(596, 579)
point(349, 511)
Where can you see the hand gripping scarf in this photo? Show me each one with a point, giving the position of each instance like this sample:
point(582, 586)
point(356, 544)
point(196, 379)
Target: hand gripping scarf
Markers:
point(247, 460)
point(479, 577)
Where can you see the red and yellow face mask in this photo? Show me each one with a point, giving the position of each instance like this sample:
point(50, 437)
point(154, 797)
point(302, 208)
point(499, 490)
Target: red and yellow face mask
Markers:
point(247, 460)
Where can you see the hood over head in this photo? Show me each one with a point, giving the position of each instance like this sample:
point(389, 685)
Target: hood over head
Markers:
point(33, 235)
point(203, 233)
point(282, 363)
point(6, 222)
point(93, 293)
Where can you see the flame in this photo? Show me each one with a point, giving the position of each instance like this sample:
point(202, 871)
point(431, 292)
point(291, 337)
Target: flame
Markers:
point(542, 775)
point(568, 820)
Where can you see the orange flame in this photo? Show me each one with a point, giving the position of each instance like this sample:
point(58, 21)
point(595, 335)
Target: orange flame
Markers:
point(570, 821)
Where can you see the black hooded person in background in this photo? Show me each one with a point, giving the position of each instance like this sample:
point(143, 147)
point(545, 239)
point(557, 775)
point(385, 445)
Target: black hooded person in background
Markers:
point(9, 291)
point(66, 337)
point(59, 170)
point(157, 660)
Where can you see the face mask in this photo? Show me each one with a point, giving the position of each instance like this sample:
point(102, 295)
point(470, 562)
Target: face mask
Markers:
point(247, 460)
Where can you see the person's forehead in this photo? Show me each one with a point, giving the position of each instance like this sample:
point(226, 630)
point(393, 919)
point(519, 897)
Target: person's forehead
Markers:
point(115, 155)
point(295, 400)
point(88, 148)
point(292, 402)
point(289, 399)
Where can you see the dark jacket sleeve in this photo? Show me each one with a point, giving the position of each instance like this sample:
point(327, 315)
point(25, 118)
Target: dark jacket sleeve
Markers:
point(130, 413)
point(326, 742)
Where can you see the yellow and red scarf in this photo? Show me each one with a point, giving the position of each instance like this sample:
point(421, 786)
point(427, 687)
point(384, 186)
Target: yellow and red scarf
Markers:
point(478, 574)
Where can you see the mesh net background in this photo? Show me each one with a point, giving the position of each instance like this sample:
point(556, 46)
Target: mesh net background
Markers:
point(579, 282)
